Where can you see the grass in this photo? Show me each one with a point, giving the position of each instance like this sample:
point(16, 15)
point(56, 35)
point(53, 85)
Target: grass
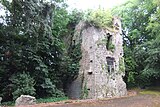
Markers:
point(51, 99)
point(151, 91)
point(41, 100)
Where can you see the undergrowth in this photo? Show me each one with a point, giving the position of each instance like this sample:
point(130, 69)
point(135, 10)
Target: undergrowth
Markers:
point(41, 100)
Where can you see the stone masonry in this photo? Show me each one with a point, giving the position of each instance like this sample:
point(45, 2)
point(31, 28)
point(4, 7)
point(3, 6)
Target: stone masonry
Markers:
point(102, 64)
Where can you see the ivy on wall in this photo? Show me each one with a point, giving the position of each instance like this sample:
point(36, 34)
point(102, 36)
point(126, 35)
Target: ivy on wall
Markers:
point(109, 45)
point(121, 64)
point(84, 92)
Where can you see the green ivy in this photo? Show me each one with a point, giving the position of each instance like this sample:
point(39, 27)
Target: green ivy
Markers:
point(111, 46)
point(84, 93)
point(102, 66)
point(121, 65)
point(73, 66)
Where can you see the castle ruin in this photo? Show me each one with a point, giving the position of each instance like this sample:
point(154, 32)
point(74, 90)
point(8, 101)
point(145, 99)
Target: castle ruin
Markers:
point(102, 65)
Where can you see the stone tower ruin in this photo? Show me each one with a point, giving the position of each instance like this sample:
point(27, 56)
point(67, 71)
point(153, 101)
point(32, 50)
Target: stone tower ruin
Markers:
point(102, 64)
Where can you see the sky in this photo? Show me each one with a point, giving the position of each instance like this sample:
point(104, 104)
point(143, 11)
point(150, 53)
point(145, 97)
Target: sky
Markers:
point(94, 4)
point(88, 4)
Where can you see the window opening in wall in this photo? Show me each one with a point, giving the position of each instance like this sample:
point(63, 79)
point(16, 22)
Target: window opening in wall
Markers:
point(110, 64)
point(91, 61)
point(90, 73)
point(109, 40)
point(74, 41)
point(116, 26)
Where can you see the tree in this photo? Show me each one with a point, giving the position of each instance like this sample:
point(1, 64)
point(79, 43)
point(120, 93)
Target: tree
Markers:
point(151, 48)
point(28, 48)
point(33, 48)
point(136, 16)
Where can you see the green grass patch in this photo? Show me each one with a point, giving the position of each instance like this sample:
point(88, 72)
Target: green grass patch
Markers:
point(151, 91)
point(51, 99)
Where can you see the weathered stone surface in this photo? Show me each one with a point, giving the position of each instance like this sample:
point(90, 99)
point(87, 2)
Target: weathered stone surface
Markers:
point(102, 63)
point(25, 100)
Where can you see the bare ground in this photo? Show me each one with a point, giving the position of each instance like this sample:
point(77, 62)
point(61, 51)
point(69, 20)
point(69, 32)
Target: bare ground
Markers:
point(132, 101)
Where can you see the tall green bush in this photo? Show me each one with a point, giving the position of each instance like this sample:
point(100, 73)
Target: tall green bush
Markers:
point(22, 83)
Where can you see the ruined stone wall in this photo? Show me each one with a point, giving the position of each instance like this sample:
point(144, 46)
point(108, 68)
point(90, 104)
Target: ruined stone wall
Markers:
point(102, 63)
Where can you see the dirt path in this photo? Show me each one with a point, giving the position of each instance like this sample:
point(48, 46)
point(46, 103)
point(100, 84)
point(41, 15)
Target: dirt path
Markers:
point(133, 101)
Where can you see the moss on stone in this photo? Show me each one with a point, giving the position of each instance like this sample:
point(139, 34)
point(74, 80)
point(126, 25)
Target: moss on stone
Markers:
point(106, 67)
point(102, 66)
point(102, 42)
point(84, 93)
point(111, 47)
point(121, 64)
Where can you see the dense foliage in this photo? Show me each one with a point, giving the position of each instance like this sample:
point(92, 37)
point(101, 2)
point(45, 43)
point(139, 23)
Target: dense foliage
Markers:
point(141, 41)
point(27, 49)
point(36, 57)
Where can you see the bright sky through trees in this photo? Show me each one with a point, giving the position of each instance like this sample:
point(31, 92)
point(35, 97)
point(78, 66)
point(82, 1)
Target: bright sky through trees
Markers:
point(93, 4)
point(88, 4)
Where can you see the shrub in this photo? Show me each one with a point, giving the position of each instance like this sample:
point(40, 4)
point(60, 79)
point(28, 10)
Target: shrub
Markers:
point(22, 83)
point(100, 18)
